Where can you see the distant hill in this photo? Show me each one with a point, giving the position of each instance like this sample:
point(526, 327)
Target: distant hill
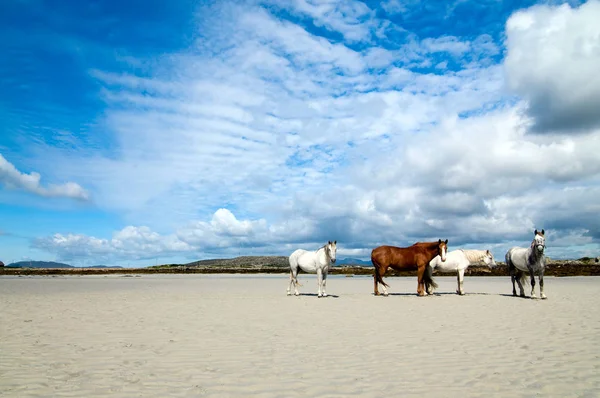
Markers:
point(39, 264)
point(352, 261)
point(258, 262)
point(243, 261)
point(49, 264)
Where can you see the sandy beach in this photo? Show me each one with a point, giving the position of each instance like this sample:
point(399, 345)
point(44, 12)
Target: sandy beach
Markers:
point(224, 335)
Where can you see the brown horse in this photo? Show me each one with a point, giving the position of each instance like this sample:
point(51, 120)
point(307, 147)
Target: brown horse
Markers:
point(415, 257)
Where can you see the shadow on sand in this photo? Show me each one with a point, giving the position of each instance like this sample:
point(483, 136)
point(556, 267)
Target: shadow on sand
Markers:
point(513, 296)
point(451, 294)
point(315, 295)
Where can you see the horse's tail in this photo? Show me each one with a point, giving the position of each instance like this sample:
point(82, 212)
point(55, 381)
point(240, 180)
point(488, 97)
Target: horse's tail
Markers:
point(377, 276)
point(509, 263)
point(428, 278)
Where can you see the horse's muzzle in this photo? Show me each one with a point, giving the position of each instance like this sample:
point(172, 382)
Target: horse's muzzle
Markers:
point(333, 260)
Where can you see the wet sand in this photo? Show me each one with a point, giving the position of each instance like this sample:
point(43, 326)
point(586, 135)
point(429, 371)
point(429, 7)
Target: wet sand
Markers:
point(224, 335)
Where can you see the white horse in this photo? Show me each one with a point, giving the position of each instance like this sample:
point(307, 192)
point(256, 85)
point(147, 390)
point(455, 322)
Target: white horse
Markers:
point(531, 260)
point(312, 262)
point(458, 261)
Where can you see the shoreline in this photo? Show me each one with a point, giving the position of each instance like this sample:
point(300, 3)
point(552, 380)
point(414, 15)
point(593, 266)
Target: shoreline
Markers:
point(554, 268)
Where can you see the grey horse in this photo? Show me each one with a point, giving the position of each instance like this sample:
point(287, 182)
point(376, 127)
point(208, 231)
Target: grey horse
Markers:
point(531, 260)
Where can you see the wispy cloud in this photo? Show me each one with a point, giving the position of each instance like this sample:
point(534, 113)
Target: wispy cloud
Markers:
point(12, 178)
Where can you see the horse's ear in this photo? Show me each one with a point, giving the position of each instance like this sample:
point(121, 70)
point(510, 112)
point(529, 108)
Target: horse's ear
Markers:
point(487, 252)
point(542, 232)
point(335, 242)
point(328, 242)
point(535, 232)
point(446, 242)
point(439, 241)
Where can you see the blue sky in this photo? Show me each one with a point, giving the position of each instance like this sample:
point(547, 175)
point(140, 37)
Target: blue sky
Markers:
point(143, 132)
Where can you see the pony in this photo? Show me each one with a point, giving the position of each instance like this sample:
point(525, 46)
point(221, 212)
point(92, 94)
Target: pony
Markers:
point(317, 261)
point(458, 261)
point(531, 260)
point(413, 257)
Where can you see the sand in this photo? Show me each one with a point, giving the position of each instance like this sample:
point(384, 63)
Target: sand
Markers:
point(241, 336)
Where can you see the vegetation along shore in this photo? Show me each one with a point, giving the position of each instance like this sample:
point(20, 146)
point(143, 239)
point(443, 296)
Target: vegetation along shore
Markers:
point(279, 265)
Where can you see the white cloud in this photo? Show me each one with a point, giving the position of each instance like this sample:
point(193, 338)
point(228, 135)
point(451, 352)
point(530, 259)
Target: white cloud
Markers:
point(353, 19)
point(398, 6)
point(13, 178)
point(449, 44)
point(131, 243)
point(553, 58)
point(306, 140)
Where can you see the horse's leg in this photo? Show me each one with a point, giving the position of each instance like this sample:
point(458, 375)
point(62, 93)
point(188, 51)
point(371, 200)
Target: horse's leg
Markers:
point(324, 283)
point(382, 273)
point(293, 280)
point(420, 283)
point(319, 281)
point(542, 295)
point(518, 276)
point(461, 279)
point(375, 284)
point(532, 275)
point(377, 275)
point(511, 269)
point(295, 275)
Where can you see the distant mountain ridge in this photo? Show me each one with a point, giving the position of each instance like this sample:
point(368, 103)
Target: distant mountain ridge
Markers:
point(352, 261)
point(39, 264)
point(50, 264)
point(242, 261)
point(249, 261)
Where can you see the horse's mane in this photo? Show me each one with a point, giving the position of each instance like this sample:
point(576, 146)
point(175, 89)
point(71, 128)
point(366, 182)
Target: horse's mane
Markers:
point(474, 256)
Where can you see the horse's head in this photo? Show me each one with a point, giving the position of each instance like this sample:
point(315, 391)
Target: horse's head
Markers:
point(442, 249)
point(331, 249)
point(539, 241)
point(488, 259)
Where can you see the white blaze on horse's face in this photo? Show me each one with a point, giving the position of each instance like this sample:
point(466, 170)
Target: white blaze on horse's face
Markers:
point(443, 248)
point(331, 250)
point(539, 241)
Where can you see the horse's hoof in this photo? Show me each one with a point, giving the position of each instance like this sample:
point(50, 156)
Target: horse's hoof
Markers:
point(533, 297)
point(289, 294)
point(324, 294)
point(385, 294)
point(296, 294)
